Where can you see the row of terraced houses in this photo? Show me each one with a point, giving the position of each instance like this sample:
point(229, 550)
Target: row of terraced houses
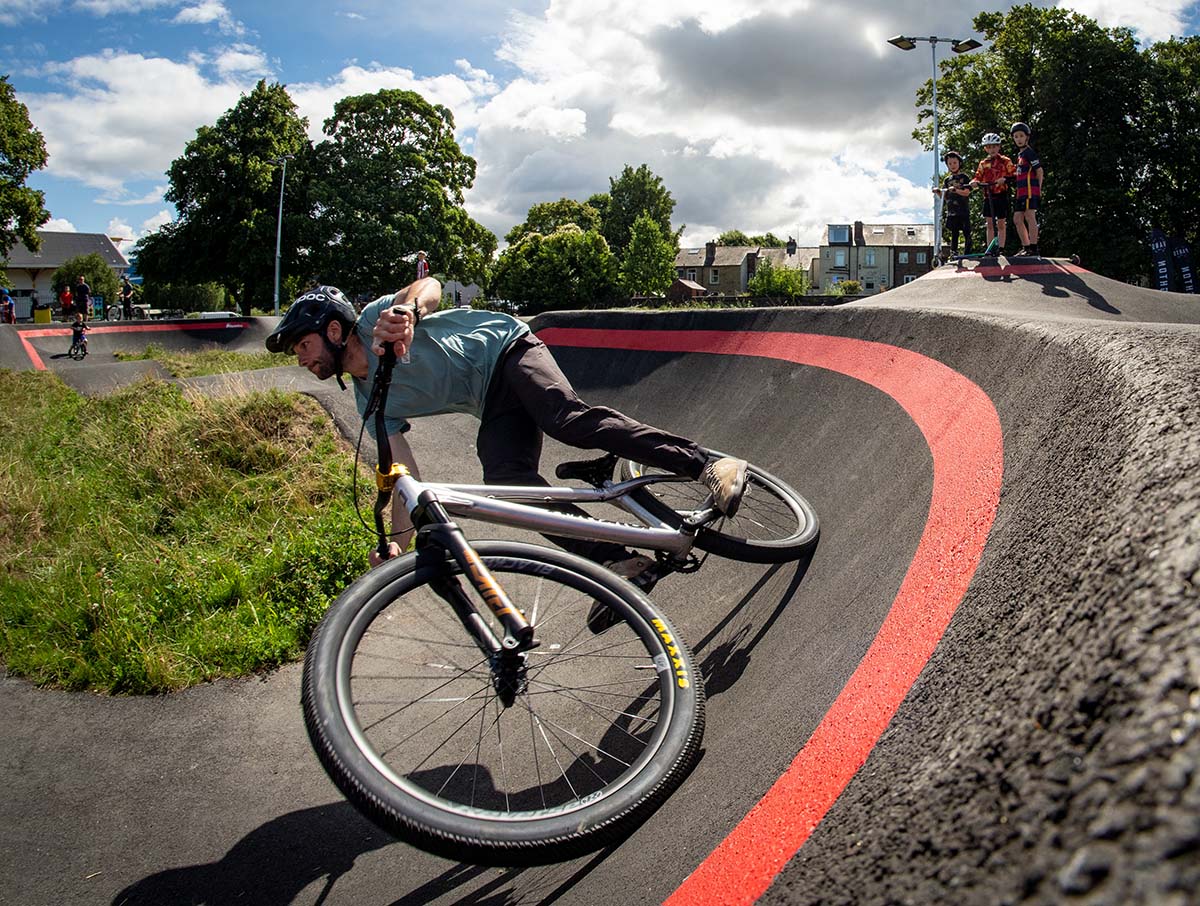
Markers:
point(878, 256)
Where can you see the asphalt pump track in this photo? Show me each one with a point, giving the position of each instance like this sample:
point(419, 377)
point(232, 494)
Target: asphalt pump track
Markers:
point(984, 687)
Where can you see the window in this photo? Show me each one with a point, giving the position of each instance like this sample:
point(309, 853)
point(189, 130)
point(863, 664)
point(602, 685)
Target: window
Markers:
point(909, 278)
point(691, 274)
point(839, 258)
point(902, 257)
point(839, 233)
point(870, 258)
point(870, 284)
point(920, 257)
point(714, 276)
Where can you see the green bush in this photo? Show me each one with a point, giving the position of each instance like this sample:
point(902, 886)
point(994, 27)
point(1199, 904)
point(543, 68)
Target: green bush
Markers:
point(149, 541)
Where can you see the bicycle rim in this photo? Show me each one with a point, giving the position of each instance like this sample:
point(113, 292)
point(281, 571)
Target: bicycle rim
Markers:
point(773, 524)
point(598, 729)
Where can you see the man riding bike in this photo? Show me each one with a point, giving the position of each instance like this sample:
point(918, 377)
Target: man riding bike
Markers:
point(489, 365)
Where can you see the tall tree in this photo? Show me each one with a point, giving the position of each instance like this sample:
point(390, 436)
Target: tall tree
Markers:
point(225, 188)
point(392, 179)
point(566, 269)
point(648, 268)
point(22, 150)
point(548, 216)
point(777, 282)
point(633, 193)
point(1171, 193)
point(1082, 89)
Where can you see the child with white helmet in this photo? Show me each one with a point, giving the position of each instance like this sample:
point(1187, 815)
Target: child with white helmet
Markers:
point(993, 173)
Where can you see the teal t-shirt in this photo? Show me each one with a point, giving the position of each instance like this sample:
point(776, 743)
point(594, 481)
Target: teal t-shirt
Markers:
point(451, 360)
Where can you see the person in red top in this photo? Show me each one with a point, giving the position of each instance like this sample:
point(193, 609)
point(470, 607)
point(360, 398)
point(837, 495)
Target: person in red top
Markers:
point(994, 172)
point(422, 266)
point(1029, 179)
point(67, 301)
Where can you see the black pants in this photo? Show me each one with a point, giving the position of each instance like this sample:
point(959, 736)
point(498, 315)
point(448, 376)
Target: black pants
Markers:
point(956, 225)
point(528, 396)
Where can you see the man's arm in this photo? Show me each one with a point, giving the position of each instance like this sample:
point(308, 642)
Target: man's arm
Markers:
point(397, 326)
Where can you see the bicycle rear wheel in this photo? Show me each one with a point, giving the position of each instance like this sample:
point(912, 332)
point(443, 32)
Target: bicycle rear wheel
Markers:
point(408, 720)
point(774, 524)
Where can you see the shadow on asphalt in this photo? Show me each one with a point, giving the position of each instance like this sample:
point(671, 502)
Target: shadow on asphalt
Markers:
point(725, 651)
point(271, 865)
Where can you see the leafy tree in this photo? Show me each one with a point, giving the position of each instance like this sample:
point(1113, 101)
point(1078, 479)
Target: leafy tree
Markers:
point(1082, 88)
point(1171, 191)
point(847, 288)
point(767, 241)
point(633, 193)
point(566, 269)
point(225, 188)
point(100, 278)
point(733, 238)
point(648, 268)
point(602, 202)
point(549, 216)
point(391, 181)
point(22, 150)
point(777, 282)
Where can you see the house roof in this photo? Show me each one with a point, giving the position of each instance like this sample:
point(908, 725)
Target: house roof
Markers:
point(57, 248)
point(688, 284)
point(802, 260)
point(889, 234)
point(723, 256)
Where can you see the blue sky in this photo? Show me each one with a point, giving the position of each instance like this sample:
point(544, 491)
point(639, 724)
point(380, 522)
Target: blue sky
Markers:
point(751, 111)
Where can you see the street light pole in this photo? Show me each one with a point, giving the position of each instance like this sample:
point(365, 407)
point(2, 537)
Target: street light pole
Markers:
point(907, 43)
point(279, 225)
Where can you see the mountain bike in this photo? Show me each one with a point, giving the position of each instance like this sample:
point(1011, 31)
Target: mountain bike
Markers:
point(456, 694)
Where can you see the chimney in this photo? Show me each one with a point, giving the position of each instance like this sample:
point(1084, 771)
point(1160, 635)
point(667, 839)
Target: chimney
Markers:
point(710, 253)
point(791, 246)
point(859, 239)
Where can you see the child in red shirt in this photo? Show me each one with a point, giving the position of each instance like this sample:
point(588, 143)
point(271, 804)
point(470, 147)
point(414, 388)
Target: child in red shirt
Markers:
point(993, 173)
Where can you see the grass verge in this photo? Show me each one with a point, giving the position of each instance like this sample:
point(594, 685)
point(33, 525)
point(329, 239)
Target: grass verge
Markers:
point(149, 541)
point(208, 361)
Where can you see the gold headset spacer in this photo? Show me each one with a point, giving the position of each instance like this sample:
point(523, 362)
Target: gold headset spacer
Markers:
point(387, 481)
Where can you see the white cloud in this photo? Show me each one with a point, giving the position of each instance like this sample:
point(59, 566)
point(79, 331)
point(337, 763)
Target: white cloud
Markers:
point(126, 237)
point(58, 225)
point(210, 12)
point(117, 7)
point(140, 110)
point(242, 58)
point(1153, 20)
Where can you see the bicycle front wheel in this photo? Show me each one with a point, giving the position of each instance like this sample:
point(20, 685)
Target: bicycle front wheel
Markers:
point(774, 524)
point(410, 719)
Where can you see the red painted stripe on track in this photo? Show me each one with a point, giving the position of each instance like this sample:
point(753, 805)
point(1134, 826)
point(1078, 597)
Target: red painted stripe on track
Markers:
point(1007, 270)
point(963, 432)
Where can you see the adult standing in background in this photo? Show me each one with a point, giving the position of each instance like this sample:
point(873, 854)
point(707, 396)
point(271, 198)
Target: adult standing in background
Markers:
point(83, 297)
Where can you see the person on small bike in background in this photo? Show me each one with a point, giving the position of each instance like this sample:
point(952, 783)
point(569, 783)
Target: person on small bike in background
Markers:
point(955, 191)
point(8, 309)
point(491, 366)
point(79, 332)
point(993, 173)
point(1029, 179)
point(126, 298)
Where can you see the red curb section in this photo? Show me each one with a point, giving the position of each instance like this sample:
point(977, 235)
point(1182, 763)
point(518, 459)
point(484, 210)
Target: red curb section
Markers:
point(39, 365)
point(963, 432)
point(1005, 270)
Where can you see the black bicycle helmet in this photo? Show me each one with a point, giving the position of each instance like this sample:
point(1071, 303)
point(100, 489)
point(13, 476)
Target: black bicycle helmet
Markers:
point(949, 154)
point(311, 313)
point(1020, 127)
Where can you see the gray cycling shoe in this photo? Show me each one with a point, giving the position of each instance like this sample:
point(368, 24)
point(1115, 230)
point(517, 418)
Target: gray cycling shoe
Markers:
point(726, 478)
point(637, 569)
